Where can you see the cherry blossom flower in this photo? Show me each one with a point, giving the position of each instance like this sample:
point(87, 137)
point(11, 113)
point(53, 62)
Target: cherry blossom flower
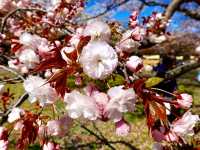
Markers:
point(7, 6)
point(121, 100)
point(127, 44)
point(23, 3)
point(184, 100)
point(3, 138)
point(29, 40)
point(134, 63)
point(19, 125)
point(3, 144)
point(79, 105)
point(94, 104)
point(51, 146)
point(153, 38)
point(15, 64)
point(29, 58)
point(161, 135)
point(101, 99)
point(97, 30)
point(3, 133)
point(38, 89)
point(98, 59)
point(185, 124)
point(59, 127)
point(122, 128)
point(15, 114)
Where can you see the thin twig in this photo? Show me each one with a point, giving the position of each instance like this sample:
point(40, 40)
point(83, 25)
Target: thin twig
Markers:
point(12, 71)
point(104, 141)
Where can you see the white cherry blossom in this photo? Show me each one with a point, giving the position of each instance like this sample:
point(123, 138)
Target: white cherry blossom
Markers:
point(79, 105)
point(127, 44)
point(121, 100)
point(38, 89)
point(15, 114)
point(98, 59)
point(185, 124)
point(97, 30)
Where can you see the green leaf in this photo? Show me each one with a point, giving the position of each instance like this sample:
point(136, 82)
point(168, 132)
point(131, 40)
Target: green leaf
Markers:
point(71, 82)
point(153, 81)
point(116, 80)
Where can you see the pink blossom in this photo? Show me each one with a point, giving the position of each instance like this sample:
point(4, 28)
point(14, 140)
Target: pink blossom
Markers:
point(79, 105)
point(134, 63)
point(28, 58)
point(23, 3)
point(3, 133)
point(162, 135)
point(97, 30)
point(51, 146)
point(59, 127)
point(122, 128)
point(158, 135)
point(127, 44)
point(153, 38)
point(184, 100)
point(101, 100)
point(19, 125)
point(38, 89)
point(42, 130)
point(98, 59)
point(120, 101)
point(7, 6)
point(3, 145)
point(185, 125)
point(15, 114)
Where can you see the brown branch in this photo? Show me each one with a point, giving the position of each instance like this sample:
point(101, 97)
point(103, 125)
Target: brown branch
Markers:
point(177, 72)
point(104, 141)
point(173, 7)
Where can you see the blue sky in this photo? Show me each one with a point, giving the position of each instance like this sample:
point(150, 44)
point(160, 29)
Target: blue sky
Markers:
point(123, 16)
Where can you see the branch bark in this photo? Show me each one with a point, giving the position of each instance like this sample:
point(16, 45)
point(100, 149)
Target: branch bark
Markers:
point(172, 7)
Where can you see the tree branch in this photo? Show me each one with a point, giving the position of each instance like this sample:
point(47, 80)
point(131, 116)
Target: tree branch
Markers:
point(173, 7)
point(175, 73)
point(170, 10)
point(107, 9)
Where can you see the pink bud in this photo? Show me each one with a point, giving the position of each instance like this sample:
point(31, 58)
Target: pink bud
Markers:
point(51, 146)
point(134, 63)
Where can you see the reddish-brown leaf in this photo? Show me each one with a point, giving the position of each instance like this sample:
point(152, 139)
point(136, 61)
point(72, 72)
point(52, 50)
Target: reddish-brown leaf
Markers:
point(52, 60)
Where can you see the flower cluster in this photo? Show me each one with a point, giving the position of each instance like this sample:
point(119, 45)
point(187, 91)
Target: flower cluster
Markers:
point(81, 66)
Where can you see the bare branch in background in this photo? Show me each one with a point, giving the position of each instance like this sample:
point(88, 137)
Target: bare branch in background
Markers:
point(172, 7)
